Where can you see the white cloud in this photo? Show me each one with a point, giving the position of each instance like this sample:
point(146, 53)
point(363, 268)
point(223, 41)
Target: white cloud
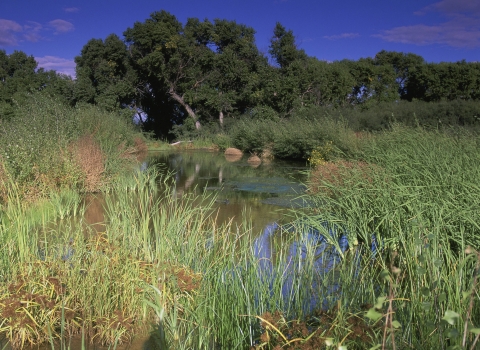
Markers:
point(61, 65)
point(12, 33)
point(8, 30)
point(61, 26)
point(342, 36)
point(32, 31)
point(71, 9)
point(461, 29)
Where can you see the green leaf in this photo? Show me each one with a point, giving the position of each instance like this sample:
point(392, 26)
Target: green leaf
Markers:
point(385, 275)
point(453, 333)
point(442, 297)
point(474, 330)
point(380, 301)
point(396, 324)
point(328, 341)
point(466, 295)
point(425, 291)
point(450, 316)
point(378, 346)
point(373, 314)
point(426, 305)
point(421, 270)
point(438, 262)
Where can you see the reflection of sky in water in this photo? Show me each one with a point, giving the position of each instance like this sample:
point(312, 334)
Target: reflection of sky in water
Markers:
point(323, 247)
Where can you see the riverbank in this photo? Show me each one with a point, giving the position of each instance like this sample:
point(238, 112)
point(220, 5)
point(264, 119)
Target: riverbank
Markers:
point(165, 262)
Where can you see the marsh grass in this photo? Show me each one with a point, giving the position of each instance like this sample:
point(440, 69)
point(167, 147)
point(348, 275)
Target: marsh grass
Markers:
point(422, 210)
point(164, 261)
point(48, 146)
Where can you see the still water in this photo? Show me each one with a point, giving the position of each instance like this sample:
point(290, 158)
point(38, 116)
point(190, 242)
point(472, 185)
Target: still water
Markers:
point(259, 194)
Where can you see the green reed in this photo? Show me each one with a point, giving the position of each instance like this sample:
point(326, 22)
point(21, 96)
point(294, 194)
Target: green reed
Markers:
point(163, 260)
point(420, 200)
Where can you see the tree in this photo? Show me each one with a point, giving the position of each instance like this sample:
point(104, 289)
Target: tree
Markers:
point(234, 81)
point(373, 83)
point(403, 64)
point(283, 47)
point(444, 81)
point(105, 76)
point(19, 76)
point(172, 62)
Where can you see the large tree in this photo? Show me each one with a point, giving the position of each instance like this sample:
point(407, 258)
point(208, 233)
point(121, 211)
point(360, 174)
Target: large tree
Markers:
point(233, 85)
point(403, 64)
point(283, 47)
point(105, 76)
point(19, 76)
point(172, 61)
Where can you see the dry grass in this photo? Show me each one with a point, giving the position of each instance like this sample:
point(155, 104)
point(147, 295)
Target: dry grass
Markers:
point(140, 145)
point(91, 160)
point(3, 181)
point(330, 175)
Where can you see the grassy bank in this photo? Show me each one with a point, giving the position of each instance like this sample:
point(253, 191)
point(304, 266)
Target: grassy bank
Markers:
point(163, 261)
point(47, 146)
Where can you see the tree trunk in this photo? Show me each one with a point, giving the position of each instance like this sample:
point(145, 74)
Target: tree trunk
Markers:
point(220, 119)
point(185, 105)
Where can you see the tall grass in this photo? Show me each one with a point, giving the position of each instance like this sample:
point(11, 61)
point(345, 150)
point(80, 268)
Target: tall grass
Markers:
point(164, 261)
point(47, 146)
point(420, 202)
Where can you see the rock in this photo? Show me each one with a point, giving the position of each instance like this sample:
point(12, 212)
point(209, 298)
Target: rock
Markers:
point(254, 160)
point(233, 151)
point(233, 154)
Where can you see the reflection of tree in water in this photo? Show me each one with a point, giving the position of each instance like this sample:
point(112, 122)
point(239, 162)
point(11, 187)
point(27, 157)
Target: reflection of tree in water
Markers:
point(238, 187)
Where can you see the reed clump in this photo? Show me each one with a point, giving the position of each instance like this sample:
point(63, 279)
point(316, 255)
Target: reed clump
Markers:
point(90, 158)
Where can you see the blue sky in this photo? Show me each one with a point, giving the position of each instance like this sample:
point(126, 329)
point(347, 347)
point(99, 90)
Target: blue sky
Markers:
point(54, 31)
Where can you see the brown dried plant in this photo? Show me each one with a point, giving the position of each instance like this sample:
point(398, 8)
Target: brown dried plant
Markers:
point(91, 160)
point(3, 182)
point(331, 175)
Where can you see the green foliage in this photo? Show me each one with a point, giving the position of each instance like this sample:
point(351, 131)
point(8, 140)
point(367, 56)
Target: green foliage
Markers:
point(105, 76)
point(37, 145)
point(19, 77)
point(283, 47)
point(418, 289)
point(294, 137)
point(199, 72)
point(419, 200)
point(321, 154)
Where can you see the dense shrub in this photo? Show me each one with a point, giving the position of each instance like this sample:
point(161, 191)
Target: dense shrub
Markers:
point(416, 113)
point(294, 137)
point(39, 145)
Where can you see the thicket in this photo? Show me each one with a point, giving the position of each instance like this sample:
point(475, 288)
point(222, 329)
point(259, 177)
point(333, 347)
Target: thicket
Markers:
point(294, 137)
point(47, 145)
point(413, 193)
point(307, 129)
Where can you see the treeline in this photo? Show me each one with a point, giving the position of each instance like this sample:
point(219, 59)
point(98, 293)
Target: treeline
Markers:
point(181, 76)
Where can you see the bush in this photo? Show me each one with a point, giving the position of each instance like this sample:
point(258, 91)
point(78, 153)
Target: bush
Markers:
point(40, 146)
point(294, 137)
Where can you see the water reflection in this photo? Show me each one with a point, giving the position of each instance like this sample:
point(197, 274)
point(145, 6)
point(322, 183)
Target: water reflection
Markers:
point(265, 192)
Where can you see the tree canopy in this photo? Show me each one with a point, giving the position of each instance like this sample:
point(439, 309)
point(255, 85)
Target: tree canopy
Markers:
point(200, 72)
